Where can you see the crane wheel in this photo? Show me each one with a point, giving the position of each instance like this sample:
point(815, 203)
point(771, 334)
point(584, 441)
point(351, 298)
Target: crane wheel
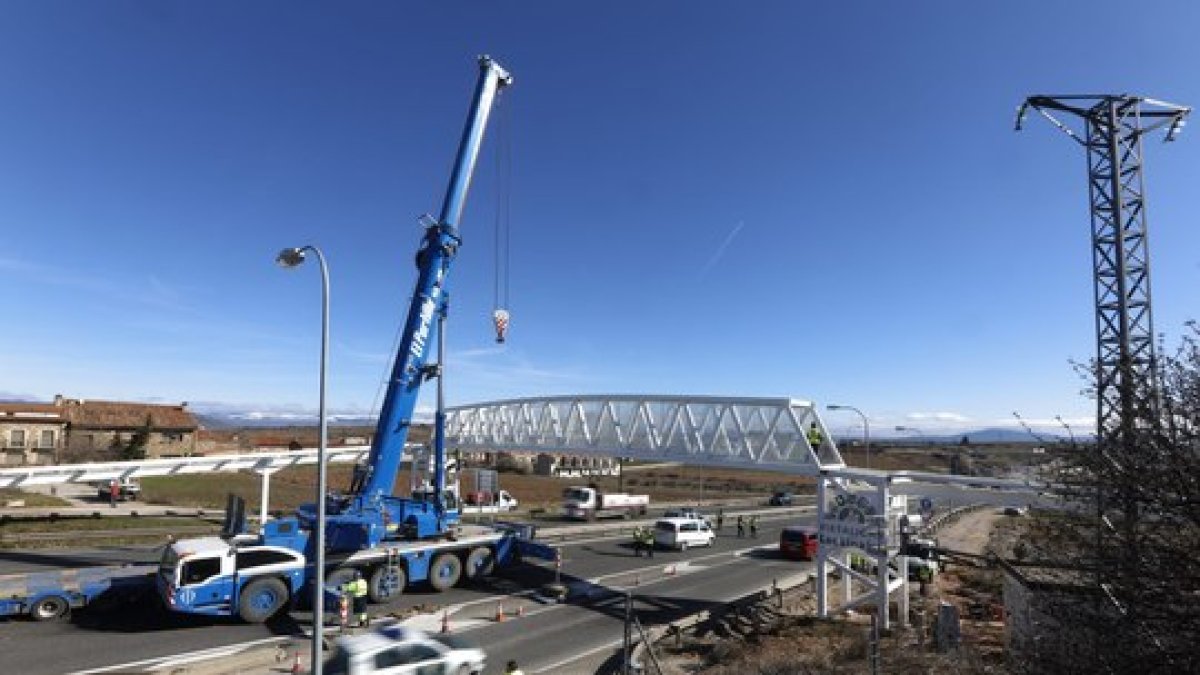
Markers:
point(386, 582)
point(445, 571)
point(480, 564)
point(336, 579)
point(262, 599)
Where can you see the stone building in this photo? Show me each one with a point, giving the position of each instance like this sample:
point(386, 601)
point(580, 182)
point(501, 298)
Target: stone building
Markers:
point(94, 427)
point(30, 433)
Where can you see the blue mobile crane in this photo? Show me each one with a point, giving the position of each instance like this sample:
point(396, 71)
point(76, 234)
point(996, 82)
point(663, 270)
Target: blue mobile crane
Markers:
point(392, 541)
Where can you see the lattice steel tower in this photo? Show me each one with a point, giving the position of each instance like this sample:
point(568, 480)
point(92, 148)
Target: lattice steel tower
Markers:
point(1126, 369)
point(1126, 380)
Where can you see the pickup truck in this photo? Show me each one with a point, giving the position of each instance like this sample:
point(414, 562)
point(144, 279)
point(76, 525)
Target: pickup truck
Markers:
point(128, 489)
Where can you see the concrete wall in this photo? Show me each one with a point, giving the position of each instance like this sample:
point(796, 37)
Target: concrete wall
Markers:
point(1045, 634)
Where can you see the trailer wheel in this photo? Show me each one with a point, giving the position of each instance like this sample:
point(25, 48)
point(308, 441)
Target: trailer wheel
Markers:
point(444, 571)
point(50, 608)
point(480, 563)
point(386, 582)
point(262, 599)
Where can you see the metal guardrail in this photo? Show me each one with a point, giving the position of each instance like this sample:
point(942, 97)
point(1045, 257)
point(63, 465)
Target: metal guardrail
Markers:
point(568, 532)
point(949, 517)
point(75, 535)
point(776, 594)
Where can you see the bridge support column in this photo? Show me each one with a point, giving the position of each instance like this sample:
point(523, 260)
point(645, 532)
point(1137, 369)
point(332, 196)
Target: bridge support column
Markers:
point(822, 568)
point(847, 580)
point(265, 502)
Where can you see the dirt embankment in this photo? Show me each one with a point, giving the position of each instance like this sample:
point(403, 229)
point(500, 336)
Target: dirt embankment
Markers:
point(792, 640)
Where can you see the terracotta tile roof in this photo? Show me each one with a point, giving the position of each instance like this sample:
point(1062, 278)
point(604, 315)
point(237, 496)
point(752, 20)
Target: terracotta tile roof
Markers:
point(121, 415)
point(33, 412)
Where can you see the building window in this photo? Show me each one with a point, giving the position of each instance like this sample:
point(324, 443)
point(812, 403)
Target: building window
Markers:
point(47, 438)
point(173, 437)
point(16, 438)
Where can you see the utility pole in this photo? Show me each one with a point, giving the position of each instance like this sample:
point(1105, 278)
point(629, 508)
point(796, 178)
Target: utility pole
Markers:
point(1126, 369)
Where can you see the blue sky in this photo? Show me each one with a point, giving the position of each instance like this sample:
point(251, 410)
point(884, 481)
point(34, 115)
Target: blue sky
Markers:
point(818, 200)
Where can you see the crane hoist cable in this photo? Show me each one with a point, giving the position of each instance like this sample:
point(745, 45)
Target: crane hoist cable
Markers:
point(500, 314)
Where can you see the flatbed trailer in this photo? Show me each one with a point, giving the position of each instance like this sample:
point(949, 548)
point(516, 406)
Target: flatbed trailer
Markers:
point(45, 596)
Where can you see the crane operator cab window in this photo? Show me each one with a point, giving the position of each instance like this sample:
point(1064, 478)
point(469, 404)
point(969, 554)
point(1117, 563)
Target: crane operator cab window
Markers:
point(199, 570)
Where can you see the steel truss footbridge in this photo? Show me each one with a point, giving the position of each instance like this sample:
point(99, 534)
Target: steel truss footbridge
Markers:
point(762, 433)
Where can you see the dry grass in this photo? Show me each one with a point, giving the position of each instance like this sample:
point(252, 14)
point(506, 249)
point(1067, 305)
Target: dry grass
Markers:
point(88, 524)
point(31, 499)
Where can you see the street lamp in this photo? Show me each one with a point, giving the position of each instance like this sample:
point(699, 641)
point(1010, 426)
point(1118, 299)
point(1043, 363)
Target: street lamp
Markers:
point(866, 427)
point(289, 258)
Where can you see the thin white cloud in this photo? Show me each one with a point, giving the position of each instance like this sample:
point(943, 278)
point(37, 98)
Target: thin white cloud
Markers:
point(154, 293)
point(943, 417)
point(716, 256)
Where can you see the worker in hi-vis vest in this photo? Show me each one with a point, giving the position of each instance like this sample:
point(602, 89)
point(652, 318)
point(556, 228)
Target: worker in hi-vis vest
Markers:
point(357, 590)
point(814, 436)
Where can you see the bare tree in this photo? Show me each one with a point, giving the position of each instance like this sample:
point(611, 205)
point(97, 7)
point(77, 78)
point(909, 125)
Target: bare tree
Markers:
point(1130, 545)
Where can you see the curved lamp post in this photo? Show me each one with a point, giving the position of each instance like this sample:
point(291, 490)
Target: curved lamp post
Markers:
point(289, 258)
point(866, 427)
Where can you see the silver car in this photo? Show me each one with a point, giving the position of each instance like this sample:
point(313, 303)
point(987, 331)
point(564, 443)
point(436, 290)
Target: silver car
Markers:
point(396, 650)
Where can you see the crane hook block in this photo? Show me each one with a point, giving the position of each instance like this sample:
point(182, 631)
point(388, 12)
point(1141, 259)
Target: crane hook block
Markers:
point(500, 318)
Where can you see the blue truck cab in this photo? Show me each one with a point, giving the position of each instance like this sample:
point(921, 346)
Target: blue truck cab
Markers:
point(246, 576)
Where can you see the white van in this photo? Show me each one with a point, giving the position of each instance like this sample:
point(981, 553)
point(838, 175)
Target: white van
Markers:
point(683, 533)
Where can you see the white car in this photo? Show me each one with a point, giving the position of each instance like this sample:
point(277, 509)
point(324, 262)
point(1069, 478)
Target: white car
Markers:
point(683, 533)
point(396, 650)
point(688, 513)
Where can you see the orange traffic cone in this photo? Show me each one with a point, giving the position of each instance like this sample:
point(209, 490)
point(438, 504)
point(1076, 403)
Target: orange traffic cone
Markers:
point(296, 664)
point(499, 611)
point(446, 621)
point(671, 571)
point(520, 611)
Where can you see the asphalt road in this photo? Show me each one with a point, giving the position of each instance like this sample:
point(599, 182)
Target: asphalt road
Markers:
point(547, 639)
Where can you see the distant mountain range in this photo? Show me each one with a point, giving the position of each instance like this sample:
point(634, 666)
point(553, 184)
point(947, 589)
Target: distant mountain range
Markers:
point(232, 420)
point(989, 435)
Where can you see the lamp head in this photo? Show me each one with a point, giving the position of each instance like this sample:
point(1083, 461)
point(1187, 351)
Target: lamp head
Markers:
point(833, 406)
point(290, 257)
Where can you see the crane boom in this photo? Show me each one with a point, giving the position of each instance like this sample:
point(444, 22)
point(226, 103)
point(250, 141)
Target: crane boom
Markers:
point(437, 251)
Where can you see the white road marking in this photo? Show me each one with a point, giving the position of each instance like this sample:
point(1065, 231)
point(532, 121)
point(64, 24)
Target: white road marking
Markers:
point(554, 667)
point(187, 657)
